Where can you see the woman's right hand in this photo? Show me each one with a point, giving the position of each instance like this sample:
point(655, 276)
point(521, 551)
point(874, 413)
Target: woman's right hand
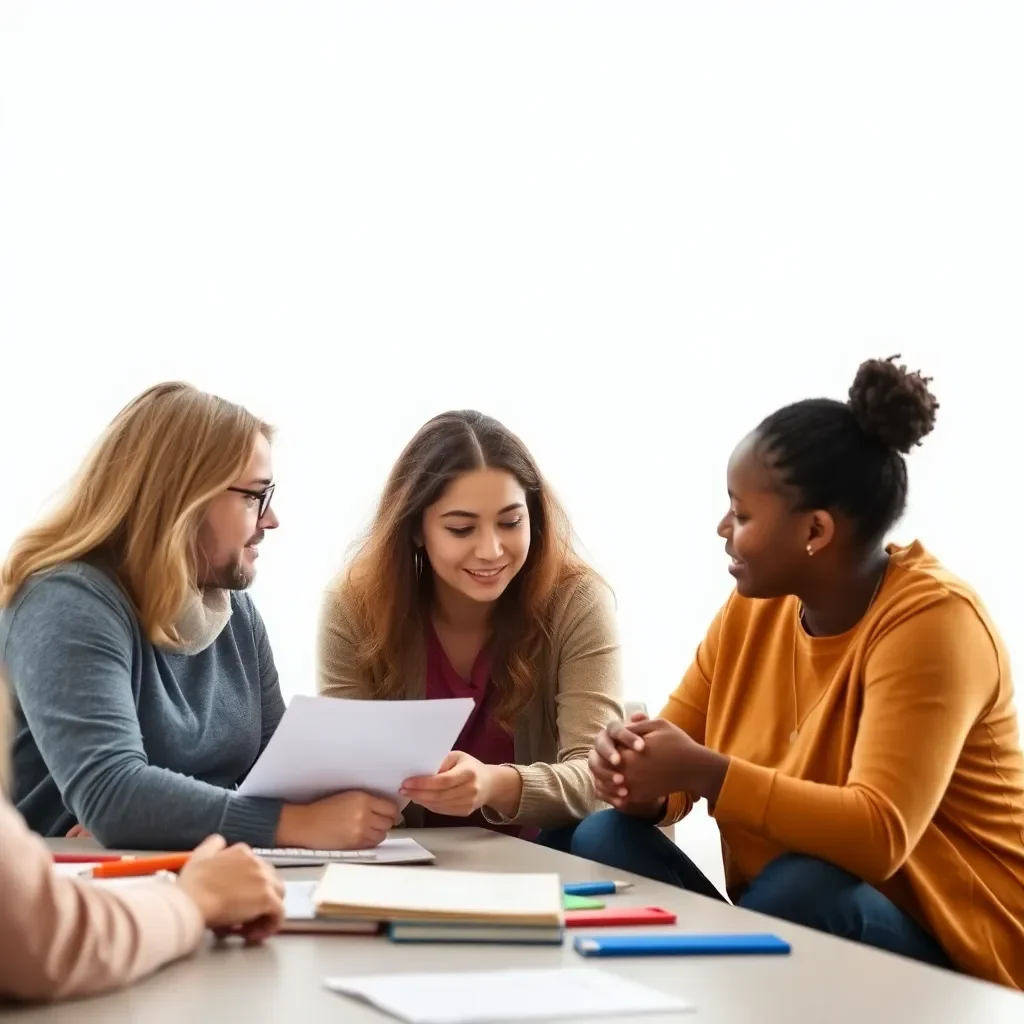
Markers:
point(612, 745)
point(344, 821)
point(234, 890)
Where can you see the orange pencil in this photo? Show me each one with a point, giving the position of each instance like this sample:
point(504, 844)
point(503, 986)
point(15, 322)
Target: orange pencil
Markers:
point(139, 866)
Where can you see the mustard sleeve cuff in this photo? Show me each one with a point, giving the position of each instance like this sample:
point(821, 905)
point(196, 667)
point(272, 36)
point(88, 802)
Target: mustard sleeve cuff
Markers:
point(677, 806)
point(745, 795)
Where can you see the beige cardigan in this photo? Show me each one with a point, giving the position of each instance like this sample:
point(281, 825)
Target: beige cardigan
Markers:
point(579, 690)
point(64, 937)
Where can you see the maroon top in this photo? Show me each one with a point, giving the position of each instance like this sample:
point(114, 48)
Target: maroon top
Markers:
point(481, 737)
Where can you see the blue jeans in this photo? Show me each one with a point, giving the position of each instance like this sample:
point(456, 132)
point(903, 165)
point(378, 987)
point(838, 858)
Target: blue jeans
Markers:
point(793, 887)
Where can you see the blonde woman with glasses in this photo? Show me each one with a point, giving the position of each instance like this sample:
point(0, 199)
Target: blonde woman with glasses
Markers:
point(143, 680)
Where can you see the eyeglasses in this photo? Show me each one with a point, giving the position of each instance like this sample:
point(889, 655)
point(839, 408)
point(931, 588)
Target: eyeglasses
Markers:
point(263, 497)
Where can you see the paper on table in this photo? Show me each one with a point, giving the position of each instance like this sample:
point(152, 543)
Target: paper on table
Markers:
point(324, 745)
point(479, 997)
point(394, 850)
point(77, 870)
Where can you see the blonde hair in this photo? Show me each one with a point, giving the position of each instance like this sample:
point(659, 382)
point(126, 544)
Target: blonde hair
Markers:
point(140, 497)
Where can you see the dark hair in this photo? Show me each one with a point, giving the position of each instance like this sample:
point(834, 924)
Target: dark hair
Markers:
point(849, 456)
point(388, 597)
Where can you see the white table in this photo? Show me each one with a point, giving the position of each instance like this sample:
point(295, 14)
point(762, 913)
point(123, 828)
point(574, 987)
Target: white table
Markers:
point(824, 981)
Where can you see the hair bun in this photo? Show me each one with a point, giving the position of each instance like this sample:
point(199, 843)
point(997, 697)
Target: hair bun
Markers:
point(891, 404)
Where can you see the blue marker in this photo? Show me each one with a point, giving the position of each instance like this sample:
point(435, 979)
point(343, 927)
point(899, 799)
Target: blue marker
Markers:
point(595, 888)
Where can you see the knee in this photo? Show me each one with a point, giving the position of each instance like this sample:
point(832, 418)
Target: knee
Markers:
point(805, 890)
point(605, 831)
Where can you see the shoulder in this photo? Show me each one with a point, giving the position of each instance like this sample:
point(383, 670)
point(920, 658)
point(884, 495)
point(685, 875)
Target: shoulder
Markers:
point(920, 594)
point(584, 602)
point(923, 599)
point(244, 610)
point(69, 593)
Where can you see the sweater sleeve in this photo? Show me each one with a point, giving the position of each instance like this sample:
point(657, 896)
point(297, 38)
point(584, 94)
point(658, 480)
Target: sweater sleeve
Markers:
point(68, 655)
point(927, 681)
point(588, 697)
point(687, 708)
point(62, 937)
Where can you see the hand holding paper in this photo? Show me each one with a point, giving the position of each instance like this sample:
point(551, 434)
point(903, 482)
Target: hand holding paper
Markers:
point(344, 821)
point(324, 746)
point(459, 788)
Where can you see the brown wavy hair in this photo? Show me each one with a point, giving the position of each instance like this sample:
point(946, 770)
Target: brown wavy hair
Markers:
point(139, 499)
point(389, 600)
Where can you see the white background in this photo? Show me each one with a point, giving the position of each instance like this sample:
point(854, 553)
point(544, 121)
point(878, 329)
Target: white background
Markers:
point(628, 230)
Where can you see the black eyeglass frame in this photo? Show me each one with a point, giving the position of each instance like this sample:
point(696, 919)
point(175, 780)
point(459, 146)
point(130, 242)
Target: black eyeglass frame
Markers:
point(264, 497)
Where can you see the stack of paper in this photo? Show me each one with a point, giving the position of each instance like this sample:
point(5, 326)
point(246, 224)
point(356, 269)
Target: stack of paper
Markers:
point(513, 995)
point(445, 906)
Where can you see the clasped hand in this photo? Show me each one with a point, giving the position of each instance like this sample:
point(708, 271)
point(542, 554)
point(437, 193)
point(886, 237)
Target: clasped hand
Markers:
point(637, 764)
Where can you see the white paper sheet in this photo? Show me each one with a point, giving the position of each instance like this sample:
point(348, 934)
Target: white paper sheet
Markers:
point(480, 997)
point(298, 901)
point(324, 745)
point(77, 869)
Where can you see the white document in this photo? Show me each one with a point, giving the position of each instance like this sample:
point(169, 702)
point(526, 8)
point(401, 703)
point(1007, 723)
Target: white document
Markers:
point(298, 901)
point(78, 869)
point(397, 850)
point(480, 997)
point(324, 745)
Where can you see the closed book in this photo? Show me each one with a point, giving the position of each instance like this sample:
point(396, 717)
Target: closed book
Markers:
point(386, 894)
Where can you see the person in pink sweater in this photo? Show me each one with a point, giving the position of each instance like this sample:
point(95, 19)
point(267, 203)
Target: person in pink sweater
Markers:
point(62, 937)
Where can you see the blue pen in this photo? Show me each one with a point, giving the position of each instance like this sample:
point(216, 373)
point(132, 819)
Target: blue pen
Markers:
point(595, 888)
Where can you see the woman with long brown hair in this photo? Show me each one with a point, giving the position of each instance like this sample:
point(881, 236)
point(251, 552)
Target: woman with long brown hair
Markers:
point(468, 585)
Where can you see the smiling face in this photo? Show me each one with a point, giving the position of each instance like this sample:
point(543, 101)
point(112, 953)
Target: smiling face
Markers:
point(477, 535)
point(232, 528)
point(766, 538)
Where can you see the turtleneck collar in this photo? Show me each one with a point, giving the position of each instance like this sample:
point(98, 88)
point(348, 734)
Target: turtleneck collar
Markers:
point(202, 620)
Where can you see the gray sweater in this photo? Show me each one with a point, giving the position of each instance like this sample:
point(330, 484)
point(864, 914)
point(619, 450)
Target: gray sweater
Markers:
point(140, 745)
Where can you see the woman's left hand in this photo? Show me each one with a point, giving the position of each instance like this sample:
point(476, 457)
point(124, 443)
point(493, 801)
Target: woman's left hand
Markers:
point(460, 787)
point(670, 762)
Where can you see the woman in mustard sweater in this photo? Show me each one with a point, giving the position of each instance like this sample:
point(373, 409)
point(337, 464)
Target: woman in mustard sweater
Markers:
point(849, 716)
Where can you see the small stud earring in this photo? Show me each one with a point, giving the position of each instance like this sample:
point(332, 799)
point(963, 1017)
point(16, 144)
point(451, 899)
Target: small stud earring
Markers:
point(810, 551)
